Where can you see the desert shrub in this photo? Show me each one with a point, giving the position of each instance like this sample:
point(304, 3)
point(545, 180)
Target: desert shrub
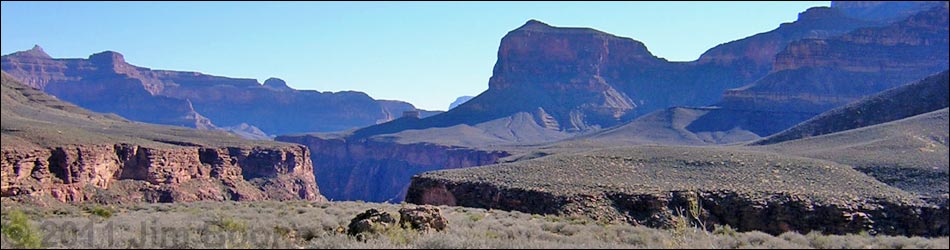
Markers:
point(758, 239)
point(819, 240)
point(724, 230)
point(400, 236)
point(795, 238)
point(442, 241)
point(229, 224)
point(475, 217)
point(316, 228)
point(103, 212)
point(21, 232)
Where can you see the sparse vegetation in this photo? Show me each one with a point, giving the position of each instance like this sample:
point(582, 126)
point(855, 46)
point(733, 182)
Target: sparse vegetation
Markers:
point(321, 225)
point(103, 212)
point(18, 229)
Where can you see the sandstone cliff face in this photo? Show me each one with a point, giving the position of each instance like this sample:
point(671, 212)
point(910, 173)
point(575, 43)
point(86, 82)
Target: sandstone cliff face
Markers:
point(125, 173)
point(883, 11)
point(929, 94)
point(753, 56)
point(193, 99)
point(650, 185)
point(815, 75)
point(775, 215)
point(379, 171)
point(52, 150)
point(584, 79)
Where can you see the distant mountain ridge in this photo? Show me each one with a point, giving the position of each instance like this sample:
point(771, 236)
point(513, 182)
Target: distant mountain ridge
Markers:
point(458, 101)
point(556, 88)
point(815, 75)
point(193, 99)
point(929, 94)
point(582, 79)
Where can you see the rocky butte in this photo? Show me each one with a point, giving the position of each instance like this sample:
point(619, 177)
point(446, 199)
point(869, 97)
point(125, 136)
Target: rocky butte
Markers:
point(551, 83)
point(53, 151)
point(873, 158)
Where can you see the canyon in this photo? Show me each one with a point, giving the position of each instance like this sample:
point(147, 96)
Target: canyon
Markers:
point(55, 152)
point(836, 122)
point(586, 88)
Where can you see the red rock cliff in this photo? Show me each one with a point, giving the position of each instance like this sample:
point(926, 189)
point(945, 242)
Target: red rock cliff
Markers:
point(124, 173)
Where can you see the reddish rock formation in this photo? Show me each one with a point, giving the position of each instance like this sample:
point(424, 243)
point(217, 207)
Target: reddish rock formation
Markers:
point(125, 173)
point(815, 75)
point(584, 79)
point(53, 149)
point(577, 79)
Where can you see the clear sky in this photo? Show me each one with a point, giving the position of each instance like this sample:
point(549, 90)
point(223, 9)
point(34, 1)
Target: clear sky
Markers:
point(426, 53)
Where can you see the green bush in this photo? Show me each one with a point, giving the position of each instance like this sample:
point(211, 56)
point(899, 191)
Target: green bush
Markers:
point(229, 224)
point(475, 217)
point(21, 231)
point(724, 230)
point(103, 212)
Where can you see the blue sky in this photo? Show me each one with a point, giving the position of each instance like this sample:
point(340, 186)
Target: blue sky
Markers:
point(426, 53)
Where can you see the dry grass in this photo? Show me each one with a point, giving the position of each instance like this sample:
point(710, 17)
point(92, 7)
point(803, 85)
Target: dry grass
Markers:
point(321, 225)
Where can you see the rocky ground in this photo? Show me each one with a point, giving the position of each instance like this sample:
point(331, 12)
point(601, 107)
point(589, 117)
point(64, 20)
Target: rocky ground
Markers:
point(300, 224)
point(650, 185)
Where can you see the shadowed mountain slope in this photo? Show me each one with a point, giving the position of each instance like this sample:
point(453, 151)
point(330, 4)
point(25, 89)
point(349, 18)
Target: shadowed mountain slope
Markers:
point(929, 94)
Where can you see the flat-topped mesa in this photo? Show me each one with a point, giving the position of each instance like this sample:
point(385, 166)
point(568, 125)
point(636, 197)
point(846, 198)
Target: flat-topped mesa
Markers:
point(576, 74)
point(111, 62)
point(883, 11)
point(556, 54)
point(107, 58)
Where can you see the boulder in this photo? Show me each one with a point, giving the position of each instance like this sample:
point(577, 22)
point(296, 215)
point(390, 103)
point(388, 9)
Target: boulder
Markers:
point(371, 221)
point(423, 218)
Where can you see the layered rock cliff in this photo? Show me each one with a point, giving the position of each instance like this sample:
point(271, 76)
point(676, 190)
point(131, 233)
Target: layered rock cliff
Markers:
point(815, 75)
point(653, 185)
point(124, 173)
point(376, 170)
point(584, 79)
point(193, 99)
point(52, 149)
point(571, 80)
point(929, 94)
point(883, 11)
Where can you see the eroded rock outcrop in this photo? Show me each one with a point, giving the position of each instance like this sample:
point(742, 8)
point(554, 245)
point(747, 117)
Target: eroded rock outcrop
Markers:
point(53, 149)
point(125, 173)
point(811, 76)
point(423, 218)
point(584, 79)
point(651, 185)
point(370, 222)
point(378, 171)
point(775, 214)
